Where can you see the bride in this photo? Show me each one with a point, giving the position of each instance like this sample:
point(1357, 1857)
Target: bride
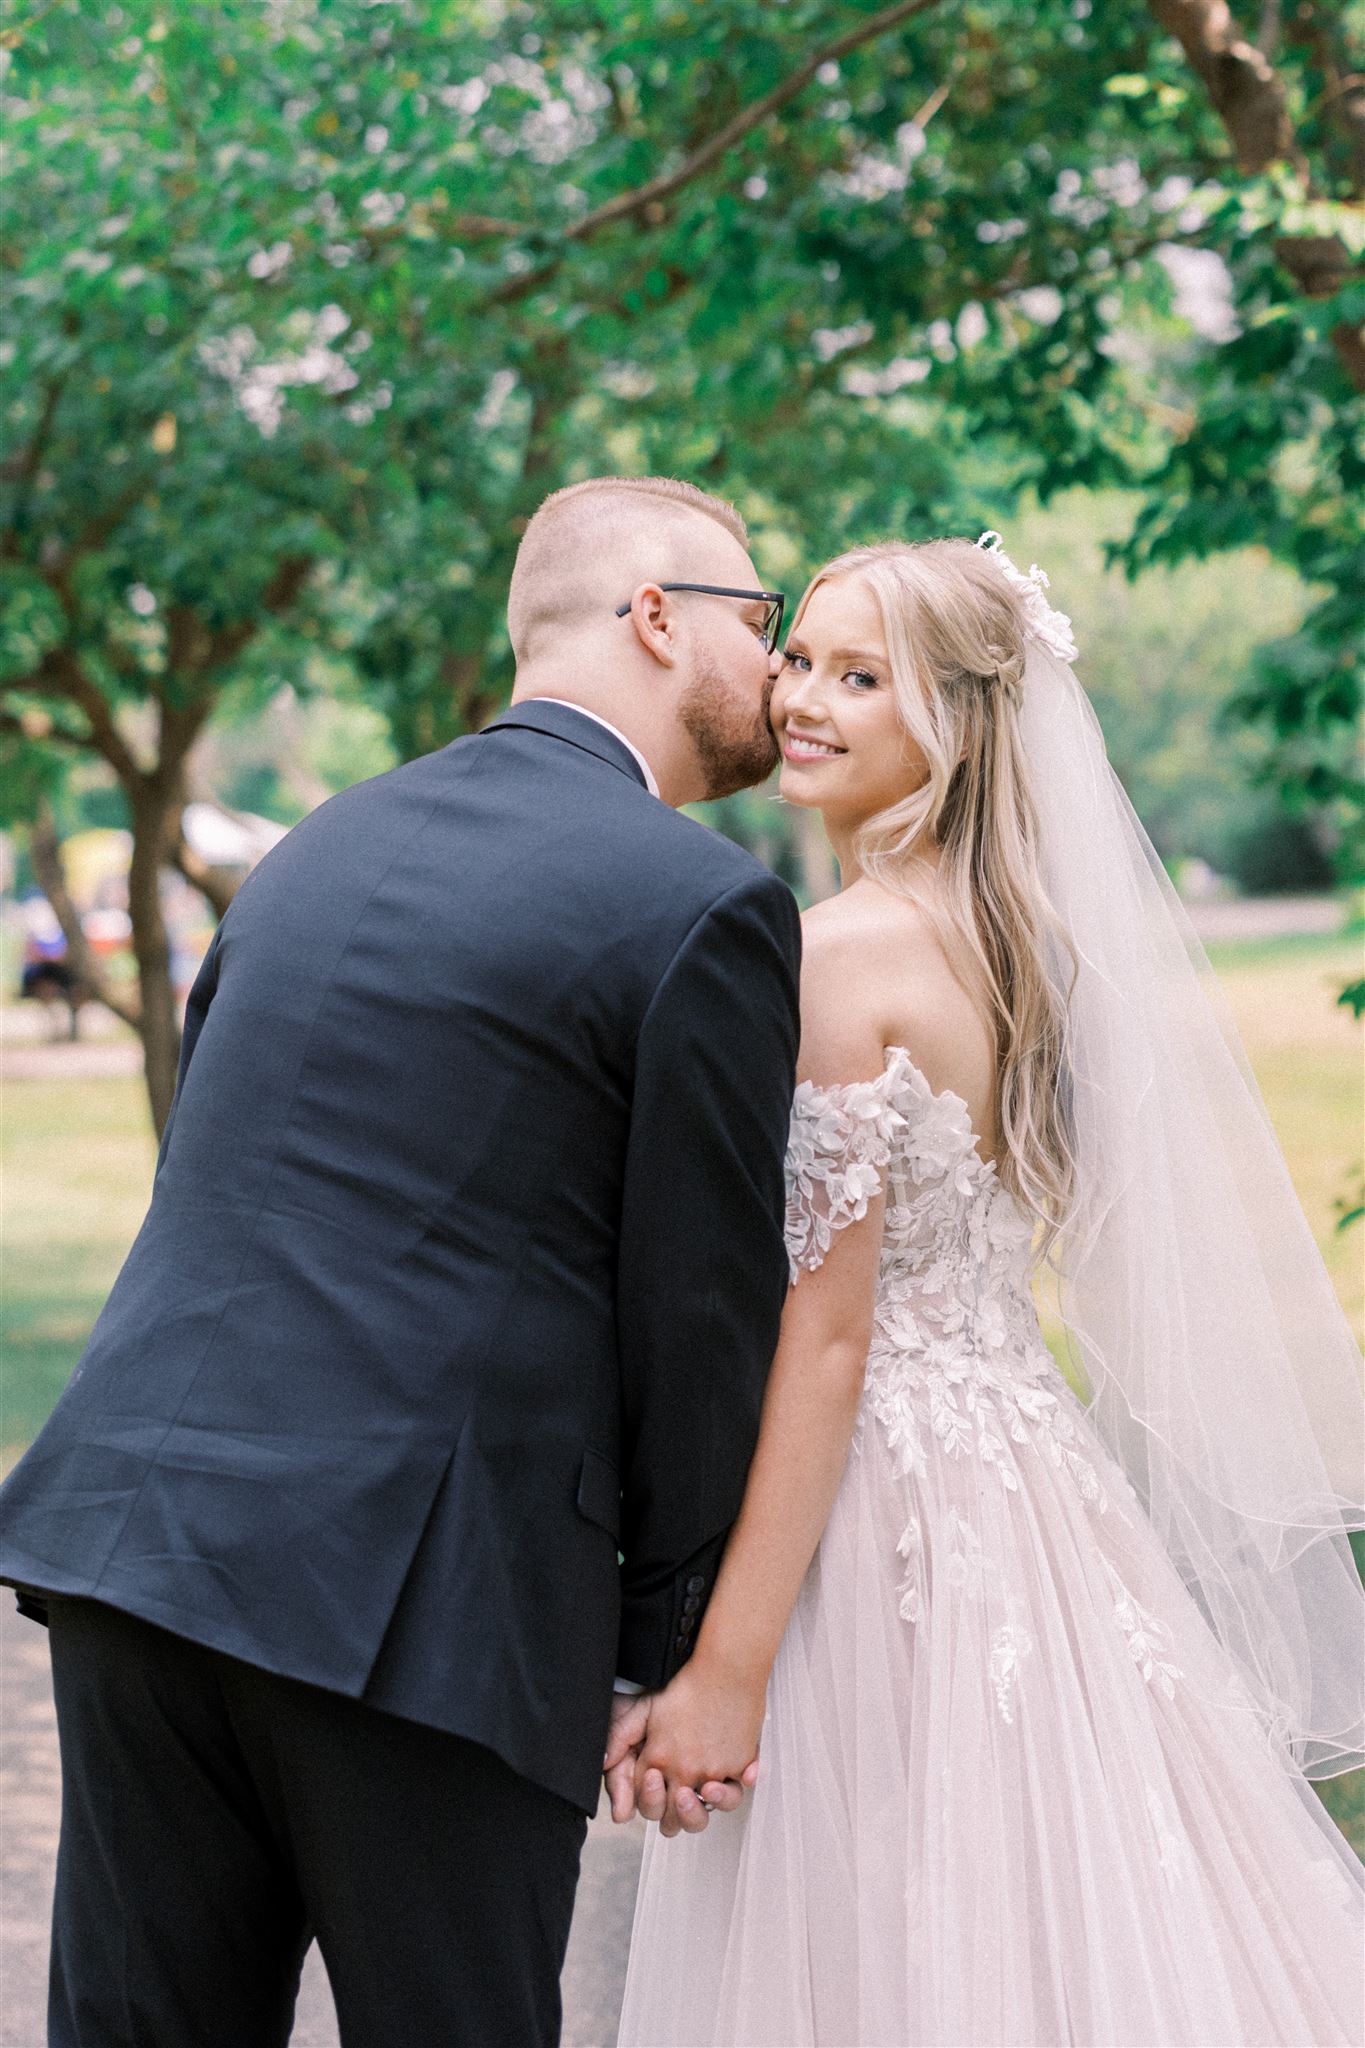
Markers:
point(1036, 1684)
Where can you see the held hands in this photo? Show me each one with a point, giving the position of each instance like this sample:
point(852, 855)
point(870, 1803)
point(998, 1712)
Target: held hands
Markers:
point(677, 1753)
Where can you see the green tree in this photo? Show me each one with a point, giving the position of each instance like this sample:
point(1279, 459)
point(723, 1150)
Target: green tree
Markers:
point(308, 307)
point(1161, 657)
point(1274, 447)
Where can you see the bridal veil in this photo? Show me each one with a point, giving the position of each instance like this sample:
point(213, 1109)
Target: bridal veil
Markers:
point(1224, 1376)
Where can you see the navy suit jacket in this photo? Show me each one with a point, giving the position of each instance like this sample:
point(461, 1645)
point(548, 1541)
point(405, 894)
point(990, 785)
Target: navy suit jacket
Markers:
point(464, 1262)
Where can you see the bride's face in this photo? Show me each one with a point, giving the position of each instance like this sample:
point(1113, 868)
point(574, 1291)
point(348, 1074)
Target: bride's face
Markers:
point(844, 749)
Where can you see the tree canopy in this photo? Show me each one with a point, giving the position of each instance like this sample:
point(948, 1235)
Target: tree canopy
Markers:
point(309, 306)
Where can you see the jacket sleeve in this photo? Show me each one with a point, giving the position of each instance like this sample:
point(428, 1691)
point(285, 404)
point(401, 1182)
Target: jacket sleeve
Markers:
point(703, 1265)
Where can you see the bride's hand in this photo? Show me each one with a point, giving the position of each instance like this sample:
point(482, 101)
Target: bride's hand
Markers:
point(629, 1721)
point(700, 1749)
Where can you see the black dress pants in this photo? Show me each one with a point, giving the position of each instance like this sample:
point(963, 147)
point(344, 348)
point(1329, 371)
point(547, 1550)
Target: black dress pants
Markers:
point(216, 1819)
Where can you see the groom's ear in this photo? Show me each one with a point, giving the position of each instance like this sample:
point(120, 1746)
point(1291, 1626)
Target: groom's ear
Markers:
point(654, 620)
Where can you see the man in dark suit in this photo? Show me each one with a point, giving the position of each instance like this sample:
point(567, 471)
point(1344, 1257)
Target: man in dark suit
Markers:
point(463, 1270)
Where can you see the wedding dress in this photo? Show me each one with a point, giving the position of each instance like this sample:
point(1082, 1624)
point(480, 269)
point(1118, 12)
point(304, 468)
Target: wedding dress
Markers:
point(1012, 1787)
point(1038, 1738)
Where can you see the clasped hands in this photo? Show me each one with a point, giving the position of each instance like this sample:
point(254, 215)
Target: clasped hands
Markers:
point(677, 1755)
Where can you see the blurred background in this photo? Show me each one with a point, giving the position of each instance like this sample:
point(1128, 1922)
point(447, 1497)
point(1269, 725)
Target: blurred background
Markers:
point(308, 303)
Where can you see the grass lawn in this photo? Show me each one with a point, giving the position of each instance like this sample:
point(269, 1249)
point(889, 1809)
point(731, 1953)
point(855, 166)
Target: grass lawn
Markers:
point(77, 1161)
point(1306, 1053)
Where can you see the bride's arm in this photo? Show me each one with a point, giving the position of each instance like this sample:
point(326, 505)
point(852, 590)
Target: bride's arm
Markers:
point(705, 1725)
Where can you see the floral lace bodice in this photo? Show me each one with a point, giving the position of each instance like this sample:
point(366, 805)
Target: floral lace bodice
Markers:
point(957, 1360)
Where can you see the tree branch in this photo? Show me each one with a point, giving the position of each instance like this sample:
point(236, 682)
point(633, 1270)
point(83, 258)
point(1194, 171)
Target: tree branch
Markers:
point(753, 116)
point(41, 729)
point(1248, 96)
point(1342, 103)
point(24, 468)
point(57, 574)
point(1268, 34)
point(938, 96)
point(218, 885)
point(59, 674)
point(1243, 85)
point(12, 37)
point(1349, 343)
point(482, 227)
point(643, 199)
point(194, 651)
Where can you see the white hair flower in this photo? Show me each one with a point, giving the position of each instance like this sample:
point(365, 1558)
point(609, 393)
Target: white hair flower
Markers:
point(1052, 629)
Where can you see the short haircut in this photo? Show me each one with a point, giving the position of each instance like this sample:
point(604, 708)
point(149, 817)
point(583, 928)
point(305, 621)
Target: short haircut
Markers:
point(588, 546)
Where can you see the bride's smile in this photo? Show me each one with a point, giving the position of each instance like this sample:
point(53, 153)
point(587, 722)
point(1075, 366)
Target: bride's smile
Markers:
point(844, 748)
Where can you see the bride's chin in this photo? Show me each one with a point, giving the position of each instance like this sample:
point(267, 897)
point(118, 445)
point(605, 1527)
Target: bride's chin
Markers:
point(790, 790)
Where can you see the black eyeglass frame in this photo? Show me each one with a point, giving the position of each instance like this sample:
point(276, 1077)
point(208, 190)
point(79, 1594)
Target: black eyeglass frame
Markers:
point(774, 599)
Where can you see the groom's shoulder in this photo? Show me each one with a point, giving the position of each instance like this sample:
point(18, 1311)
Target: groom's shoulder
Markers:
point(608, 836)
point(701, 865)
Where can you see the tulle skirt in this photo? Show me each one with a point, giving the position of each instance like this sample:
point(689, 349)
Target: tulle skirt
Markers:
point(1010, 1793)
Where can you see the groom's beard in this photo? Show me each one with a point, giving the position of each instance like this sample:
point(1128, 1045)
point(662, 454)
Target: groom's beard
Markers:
point(735, 744)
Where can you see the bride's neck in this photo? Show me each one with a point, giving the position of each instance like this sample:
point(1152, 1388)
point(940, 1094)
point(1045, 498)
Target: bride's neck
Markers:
point(843, 838)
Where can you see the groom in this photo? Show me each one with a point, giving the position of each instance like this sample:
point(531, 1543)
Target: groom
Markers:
point(462, 1271)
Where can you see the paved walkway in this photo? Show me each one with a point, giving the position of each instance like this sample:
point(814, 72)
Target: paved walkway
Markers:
point(29, 1808)
point(106, 1049)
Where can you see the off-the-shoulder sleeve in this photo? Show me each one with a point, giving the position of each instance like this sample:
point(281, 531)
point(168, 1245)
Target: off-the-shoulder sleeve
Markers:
point(840, 1142)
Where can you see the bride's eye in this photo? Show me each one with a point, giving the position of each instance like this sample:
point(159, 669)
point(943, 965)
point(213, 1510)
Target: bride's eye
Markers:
point(860, 678)
point(793, 660)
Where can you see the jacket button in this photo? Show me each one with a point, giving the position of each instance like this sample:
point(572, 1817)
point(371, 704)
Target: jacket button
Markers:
point(696, 1584)
point(691, 1604)
point(686, 1625)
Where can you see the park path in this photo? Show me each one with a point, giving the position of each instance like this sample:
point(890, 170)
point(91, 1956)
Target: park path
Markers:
point(30, 1800)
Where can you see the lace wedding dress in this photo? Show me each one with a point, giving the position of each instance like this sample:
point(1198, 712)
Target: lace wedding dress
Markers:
point(1012, 1788)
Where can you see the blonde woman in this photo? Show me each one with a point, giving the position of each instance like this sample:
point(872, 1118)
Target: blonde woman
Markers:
point(1035, 1683)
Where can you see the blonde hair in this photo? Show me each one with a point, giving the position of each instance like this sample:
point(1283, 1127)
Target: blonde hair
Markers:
point(608, 530)
point(955, 637)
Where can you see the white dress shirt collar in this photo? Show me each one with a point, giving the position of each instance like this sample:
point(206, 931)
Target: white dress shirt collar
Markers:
point(651, 783)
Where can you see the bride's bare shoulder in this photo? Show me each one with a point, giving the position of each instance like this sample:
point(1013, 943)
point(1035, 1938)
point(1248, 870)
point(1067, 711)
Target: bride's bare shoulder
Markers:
point(858, 950)
point(867, 933)
point(876, 973)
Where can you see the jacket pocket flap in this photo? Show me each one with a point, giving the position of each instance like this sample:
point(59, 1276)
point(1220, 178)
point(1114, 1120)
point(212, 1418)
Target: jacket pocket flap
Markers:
point(599, 1492)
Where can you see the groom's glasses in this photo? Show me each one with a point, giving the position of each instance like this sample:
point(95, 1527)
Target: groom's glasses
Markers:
point(771, 629)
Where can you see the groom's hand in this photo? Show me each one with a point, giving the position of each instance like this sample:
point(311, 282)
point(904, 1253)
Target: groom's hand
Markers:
point(629, 1721)
point(625, 1739)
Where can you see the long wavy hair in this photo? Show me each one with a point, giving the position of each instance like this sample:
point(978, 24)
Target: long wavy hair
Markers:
point(955, 637)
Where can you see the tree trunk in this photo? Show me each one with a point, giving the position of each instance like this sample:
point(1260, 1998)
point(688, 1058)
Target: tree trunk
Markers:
point(154, 812)
point(217, 885)
point(153, 1014)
